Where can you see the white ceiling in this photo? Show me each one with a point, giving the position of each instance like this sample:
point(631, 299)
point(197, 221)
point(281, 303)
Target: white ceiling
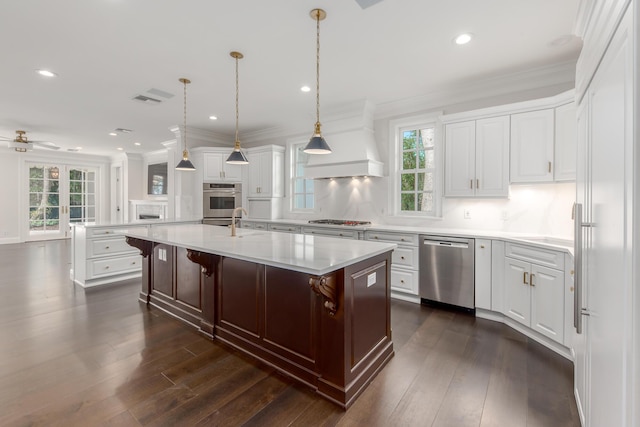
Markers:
point(108, 51)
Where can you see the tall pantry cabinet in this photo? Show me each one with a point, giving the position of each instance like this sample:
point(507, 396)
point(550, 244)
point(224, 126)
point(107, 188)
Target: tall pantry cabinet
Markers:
point(606, 352)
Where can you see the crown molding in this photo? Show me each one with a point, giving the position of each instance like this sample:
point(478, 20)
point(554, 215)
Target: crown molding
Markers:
point(202, 136)
point(535, 78)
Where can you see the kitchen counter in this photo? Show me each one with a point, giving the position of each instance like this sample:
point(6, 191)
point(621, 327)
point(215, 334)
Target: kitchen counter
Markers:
point(135, 222)
point(303, 253)
point(316, 308)
point(549, 242)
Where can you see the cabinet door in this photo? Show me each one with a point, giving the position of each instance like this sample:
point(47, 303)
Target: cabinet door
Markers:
point(231, 173)
point(460, 159)
point(517, 290)
point(212, 171)
point(547, 302)
point(483, 274)
point(565, 143)
point(492, 157)
point(532, 146)
point(255, 174)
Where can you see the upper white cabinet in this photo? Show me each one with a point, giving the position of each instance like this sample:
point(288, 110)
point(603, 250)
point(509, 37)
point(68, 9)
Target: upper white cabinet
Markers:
point(532, 136)
point(266, 172)
point(565, 143)
point(477, 158)
point(217, 170)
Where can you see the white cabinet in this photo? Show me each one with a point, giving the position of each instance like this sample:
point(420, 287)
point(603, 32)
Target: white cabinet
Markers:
point(477, 158)
point(483, 274)
point(332, 232)
point(404, 262)
point(101, 255)
point(284, 228)
point(565, 143)
point(266, 172)
point(217, 170)
point(534, 294)
point(532, 135)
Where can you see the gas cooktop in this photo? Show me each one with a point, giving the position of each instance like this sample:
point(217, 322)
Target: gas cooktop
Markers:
point(338, 222)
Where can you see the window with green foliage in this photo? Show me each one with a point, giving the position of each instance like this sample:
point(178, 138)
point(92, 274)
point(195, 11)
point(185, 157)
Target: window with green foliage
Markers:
point(44, 198)
point(303, 196)
point(417, 170)
point(82, 195)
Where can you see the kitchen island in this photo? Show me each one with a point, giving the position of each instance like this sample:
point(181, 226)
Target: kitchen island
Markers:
point(316, 308)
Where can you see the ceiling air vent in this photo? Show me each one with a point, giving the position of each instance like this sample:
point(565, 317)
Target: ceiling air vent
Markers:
point(123, 130)
point(367, 3)
point(147, 100)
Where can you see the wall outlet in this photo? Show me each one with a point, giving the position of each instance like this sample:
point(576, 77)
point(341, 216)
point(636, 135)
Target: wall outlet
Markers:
point(467, 214)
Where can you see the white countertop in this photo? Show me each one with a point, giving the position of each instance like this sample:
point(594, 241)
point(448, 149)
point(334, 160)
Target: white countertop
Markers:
point(549, 242)
point(304, 253)
point(135, 222)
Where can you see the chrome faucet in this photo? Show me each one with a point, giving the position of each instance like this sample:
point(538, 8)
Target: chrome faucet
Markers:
point(233, 219)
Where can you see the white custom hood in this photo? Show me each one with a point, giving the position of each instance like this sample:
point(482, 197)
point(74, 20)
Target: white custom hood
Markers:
point(353, 146)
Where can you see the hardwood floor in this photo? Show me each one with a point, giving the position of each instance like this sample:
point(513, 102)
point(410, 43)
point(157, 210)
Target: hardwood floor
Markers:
point(71, 356)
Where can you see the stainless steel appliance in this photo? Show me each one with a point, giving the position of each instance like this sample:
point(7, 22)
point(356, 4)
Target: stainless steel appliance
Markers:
point(219, 201)
point(338, 222)
point(447, 270)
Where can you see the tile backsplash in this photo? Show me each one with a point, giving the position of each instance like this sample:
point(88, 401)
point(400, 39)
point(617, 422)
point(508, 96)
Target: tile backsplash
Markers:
point(543, 209)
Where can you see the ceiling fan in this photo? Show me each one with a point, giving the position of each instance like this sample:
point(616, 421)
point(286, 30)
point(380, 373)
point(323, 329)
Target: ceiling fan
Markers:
point(21, 144)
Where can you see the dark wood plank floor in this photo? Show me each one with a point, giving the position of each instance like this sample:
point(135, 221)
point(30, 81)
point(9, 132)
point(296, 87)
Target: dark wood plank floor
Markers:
point(99, 357)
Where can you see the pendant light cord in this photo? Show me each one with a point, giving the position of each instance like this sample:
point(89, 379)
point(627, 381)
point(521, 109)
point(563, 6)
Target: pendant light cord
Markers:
point(318, 66)
point(185, 115)
point(237, 91)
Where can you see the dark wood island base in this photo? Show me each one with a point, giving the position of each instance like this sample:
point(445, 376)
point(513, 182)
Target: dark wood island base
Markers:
point(331, 332)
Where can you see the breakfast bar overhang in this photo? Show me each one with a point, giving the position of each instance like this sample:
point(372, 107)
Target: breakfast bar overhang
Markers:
point(315, 308)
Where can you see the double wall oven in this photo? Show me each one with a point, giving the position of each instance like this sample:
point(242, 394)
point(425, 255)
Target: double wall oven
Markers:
point(219, 201)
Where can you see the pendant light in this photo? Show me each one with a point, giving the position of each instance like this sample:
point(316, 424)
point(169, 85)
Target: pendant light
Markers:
point(237, 157)
point(317, 144)
point(185, 164)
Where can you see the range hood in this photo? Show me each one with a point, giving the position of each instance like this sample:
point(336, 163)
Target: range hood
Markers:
point(354, 150)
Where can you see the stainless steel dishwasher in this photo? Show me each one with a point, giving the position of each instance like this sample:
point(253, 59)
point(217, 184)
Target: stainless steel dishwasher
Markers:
point(447, 267)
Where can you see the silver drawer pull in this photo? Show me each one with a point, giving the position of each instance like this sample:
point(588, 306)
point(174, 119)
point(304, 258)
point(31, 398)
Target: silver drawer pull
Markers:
point(401, 281)
point(133, 263)
point(106, 247)
point(401, 257)
point(375, 237)
point(107, 267)
point(402, 239)
point(341, 234)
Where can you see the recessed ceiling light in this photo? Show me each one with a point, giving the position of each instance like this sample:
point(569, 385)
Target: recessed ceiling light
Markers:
point(463, 38)
point(120, 148)
point(137, 143)
point(113, 134)
point(46, 73)
point(305, 89)
point(213, 117)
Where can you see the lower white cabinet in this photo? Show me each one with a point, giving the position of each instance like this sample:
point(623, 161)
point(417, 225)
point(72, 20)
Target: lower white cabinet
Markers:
point(332, 232)
point(284, 228)
point(483, 274)
point(101, 256)
point(404, 262)
point(534, 296)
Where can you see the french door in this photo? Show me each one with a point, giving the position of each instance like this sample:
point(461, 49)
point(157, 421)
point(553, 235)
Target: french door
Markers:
point(59, 195)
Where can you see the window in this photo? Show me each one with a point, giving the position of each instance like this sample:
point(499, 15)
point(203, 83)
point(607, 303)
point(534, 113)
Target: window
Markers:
point(415, 166)
point(417, 170)
point(82, 195)
point(303, 197)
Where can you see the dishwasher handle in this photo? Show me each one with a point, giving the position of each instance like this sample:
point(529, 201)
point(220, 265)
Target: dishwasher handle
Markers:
point(445, 244)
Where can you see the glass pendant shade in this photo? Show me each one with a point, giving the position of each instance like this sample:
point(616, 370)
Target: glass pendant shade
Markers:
point(185, 164)
point(237, 157)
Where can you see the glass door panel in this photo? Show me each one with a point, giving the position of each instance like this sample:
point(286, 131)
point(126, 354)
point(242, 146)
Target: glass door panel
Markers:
point(60, 195)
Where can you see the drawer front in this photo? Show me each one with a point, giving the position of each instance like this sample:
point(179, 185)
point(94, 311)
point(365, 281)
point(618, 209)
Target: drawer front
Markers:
point(246, 224)
point(259, 226)
point(102, 247)
point(331, 232)
point(404, 280)
point(545, 257)
point(114, 265)
point(284, 228)
point(405, 256)
point(400, 238)
point(109, 232)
